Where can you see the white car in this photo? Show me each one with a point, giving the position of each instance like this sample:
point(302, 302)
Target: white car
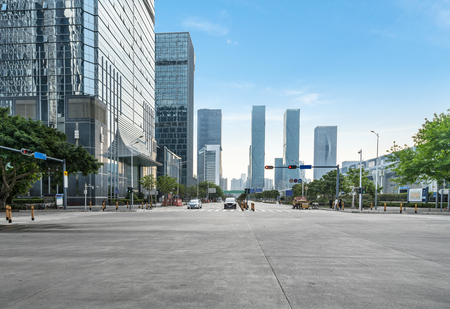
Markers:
point(196, 203)
point(230, 203)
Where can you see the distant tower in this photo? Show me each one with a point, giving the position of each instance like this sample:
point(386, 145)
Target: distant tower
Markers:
point(291, 144)
point(325, 142)
point(258, 147)
point(279, 182)
point(209, 132)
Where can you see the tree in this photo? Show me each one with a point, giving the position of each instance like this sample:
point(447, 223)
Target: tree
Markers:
point(192, 191)
point(352, 179)
point(22, 171)
point(429, 160)
point(148, 182)
point(166, 184)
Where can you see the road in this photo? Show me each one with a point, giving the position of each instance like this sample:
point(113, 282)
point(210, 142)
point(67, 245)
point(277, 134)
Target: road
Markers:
point(275, 257)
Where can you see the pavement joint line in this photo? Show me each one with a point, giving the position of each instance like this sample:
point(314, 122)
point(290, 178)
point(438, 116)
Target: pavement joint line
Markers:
point(268, 262)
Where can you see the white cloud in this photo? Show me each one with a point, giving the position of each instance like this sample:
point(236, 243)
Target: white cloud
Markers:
point(231, 42)
point(197, 23)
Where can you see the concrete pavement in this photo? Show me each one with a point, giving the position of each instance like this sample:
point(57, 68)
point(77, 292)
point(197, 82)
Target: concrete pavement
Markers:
point(275, 257)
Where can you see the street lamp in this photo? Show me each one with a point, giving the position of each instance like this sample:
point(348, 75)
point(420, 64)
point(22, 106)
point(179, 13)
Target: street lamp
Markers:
point(360, 179)
point(376, 173)
point(137, 140)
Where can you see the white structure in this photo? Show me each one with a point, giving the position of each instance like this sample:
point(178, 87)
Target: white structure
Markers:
point(209, 162)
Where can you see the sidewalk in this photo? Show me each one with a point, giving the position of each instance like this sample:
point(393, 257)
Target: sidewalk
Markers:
point(396, 210)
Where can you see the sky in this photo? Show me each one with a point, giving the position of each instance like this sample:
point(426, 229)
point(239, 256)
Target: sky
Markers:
point(361, 65)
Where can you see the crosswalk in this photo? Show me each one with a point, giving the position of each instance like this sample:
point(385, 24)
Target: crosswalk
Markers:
point(173, 209)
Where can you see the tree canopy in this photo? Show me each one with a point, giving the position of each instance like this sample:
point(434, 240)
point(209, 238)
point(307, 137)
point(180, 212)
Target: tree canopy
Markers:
point(166, 184)
point(429, 160)
point(22, 171)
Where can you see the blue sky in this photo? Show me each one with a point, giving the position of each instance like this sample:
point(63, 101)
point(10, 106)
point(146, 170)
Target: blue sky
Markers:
point(381, 65)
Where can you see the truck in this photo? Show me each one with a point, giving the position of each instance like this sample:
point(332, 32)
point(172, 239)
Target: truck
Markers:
point(300, 202)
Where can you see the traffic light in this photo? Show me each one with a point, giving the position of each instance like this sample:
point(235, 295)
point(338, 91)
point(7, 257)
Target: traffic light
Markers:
point(247, 191)
point(363, 190)
point(268, 167)
point(359, 190)
point(130, 189)
point(26, 152)
point(292, 167)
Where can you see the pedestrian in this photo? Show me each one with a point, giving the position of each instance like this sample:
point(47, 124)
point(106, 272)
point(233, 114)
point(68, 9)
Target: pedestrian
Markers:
point(336, 204)
point(340, 204)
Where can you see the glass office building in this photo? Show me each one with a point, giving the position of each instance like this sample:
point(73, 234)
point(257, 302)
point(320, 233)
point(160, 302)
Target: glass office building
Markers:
point(291, 145)
point(175, 66)
point(209, 159)
point(278, 174)
point(258, 147)
point(88, 69)
point(325, 143)
point(209, 132)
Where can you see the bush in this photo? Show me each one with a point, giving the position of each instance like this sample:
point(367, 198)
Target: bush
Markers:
point(390, 197)
point(28, 201)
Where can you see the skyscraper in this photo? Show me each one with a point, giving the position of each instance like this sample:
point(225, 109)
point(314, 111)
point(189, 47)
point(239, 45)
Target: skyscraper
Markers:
point(209, 132)
point(258, 146)
point(87, 69)
point(291, 144)
point(209, 164)
point(279, 180)
point(325, 142)
point(175, 66)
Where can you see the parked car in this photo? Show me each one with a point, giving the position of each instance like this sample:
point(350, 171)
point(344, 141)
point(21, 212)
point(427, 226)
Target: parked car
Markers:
point(194, 204)
point(230, 203)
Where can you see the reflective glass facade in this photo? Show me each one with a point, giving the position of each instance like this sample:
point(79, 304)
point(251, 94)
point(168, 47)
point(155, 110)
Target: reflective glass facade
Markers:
point(86, 67)
point(325, 143)
point(258, 147)
point(209, 131)
point(175, 66)
point(291, 144)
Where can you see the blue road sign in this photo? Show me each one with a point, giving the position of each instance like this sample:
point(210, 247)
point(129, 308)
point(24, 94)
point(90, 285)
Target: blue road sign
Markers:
point(289, 193)
point(252, 190)
point(117, 191)
point(38, 155)
point(299, 181)
point(258, 190)
point(305, 167)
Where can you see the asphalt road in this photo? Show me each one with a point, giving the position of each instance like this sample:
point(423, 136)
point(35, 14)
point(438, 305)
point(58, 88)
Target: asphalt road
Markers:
point(275, 257)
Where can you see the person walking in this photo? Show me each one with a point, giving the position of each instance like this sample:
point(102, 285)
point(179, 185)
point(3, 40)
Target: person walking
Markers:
point(336, 204)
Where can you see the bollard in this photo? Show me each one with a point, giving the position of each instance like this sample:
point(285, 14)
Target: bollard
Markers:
point(9, 214)
point(142, 205)
point(146, 205)
point(242, 206)
point(32, 213)
point(117, 205)
point(151, 205)
point(127, 204)
point(401, 207)
point(253, 206)
point(343, 205)
point(90, 205)
point(384, 207)
point(104, 206)
point(6, 211)
point(370, 205)
point(415, 206)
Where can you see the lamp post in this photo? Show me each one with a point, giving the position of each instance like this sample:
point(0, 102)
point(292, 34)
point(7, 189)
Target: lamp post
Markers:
point(137, 140)
point(376, 173)
point(360, 179)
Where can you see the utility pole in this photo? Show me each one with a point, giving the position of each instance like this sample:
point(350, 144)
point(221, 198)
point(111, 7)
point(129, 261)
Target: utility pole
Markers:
point(360, 180)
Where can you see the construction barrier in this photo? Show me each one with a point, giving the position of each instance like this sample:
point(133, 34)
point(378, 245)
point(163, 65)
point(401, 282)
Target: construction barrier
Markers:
point(253, 206)
point(32, 213)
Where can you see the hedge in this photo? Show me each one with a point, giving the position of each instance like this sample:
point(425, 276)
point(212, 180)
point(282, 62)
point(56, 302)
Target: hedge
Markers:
point(28, 201)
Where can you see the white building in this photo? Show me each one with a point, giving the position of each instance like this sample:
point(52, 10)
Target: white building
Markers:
point(209, 158)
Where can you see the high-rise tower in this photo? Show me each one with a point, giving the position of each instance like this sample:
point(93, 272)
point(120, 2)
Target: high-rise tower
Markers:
point(325, 142)
point(175, 66)
point(258, 147)
point(87, 69)
point(291, 144)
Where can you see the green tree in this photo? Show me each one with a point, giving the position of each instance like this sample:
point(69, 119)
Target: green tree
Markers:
point(429, 160)
point(166, 184)
point(148, 182)
point(22, 171)
point(352, 179)
point(192, 191)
